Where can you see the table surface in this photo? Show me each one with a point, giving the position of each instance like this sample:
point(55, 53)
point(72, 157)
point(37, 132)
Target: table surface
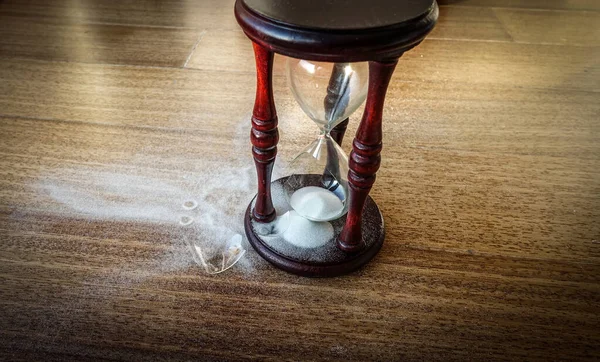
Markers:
point(112, 113)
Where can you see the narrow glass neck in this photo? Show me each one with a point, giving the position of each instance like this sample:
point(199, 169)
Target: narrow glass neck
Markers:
point(325, 132)
point(326, 128)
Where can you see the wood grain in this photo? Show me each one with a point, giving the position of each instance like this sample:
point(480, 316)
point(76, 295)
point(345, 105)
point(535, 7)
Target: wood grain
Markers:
point(214, 14)
point(529, 4)
point(489, 186)
point(229, 50)
point(558, 27)
point(468, 23)
point(134, 96)
point(47, 39)
point(530, 65)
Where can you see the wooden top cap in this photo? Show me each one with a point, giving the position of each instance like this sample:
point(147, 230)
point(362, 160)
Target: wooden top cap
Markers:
point(337, 30)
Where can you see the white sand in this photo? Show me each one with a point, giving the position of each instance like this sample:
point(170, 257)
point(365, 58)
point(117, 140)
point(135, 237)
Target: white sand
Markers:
point(316, 203)
point(304, 233)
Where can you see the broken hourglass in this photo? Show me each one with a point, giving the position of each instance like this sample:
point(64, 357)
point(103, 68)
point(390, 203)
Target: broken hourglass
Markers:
point(328, 93)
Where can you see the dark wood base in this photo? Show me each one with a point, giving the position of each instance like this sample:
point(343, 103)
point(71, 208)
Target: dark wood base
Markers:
point(333, 262)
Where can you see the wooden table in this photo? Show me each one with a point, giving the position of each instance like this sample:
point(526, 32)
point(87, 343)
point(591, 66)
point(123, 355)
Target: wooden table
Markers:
point(490, 190)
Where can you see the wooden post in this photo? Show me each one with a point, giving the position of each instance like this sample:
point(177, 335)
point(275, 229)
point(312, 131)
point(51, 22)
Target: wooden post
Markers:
point(264, 135)
point(365, 156)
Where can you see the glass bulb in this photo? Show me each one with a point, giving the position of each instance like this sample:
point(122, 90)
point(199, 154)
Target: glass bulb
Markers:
point(328, 92)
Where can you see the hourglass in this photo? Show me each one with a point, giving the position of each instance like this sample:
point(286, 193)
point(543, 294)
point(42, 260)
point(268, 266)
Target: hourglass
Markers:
point(320, 221)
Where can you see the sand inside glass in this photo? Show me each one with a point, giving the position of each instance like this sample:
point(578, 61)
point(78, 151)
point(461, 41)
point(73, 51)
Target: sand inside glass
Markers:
point(316, 203)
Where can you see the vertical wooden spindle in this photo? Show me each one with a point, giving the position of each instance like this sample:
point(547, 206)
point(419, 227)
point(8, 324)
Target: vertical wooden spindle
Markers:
point(365, 156)
point(264, 135)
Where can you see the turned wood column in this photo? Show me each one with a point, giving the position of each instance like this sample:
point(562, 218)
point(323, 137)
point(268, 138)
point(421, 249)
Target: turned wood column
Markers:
point(264, 135)
point(365, 156)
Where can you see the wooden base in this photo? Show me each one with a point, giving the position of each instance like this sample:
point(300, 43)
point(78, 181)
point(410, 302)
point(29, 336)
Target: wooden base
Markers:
point(328, 260)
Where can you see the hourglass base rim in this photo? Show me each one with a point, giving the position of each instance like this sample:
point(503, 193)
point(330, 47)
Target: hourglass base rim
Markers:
point(333, 262)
